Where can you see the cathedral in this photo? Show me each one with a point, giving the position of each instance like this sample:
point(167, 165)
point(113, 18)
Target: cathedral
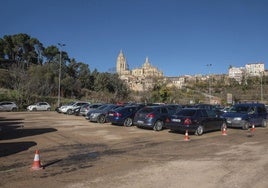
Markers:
point(138, 79)
point(147, 70)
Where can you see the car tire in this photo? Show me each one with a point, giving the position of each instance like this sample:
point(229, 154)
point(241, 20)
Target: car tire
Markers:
point(128, 122)
point(158, 126)
point(69, 112)
point(264, 123)
point(101, 119)
point(199, 131)
point(14, 109)
point(245, 126)
point(48, 109)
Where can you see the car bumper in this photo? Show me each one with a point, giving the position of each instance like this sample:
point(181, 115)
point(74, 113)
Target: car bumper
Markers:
point(144, 124)
point(235, 123)
point(175, 127)
point(116, 121)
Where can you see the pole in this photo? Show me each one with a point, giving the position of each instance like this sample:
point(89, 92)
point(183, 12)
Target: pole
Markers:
point(209, 82)
point(59, 89)
point(261, 89)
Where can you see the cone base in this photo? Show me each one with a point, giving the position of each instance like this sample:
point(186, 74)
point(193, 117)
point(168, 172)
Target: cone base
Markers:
point(37, 168)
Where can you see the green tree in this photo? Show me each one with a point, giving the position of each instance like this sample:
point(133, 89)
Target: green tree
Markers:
point(21, 49)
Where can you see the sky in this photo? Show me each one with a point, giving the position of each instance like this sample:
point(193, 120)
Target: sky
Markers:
point(180, 37)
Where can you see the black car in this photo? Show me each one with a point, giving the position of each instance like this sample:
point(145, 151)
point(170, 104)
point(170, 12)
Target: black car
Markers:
point(124, 115)
point(195, 120)
point(152, 117)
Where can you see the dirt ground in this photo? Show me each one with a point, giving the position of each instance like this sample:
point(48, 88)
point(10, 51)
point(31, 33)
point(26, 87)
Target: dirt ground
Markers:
point(76, 153)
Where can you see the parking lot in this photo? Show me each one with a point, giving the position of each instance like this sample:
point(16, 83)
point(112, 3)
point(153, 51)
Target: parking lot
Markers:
point(77, 153)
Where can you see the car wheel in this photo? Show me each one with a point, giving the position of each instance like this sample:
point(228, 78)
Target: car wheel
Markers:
point(14, 109)
point(128, 122)
point(264, 123)
point(158, 126)
point(245, 126)
point(48, 109)
point(69, 112)
point(199, 131)
point(101, 119)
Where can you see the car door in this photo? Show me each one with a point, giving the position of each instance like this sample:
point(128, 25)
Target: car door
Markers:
point(253, 115)
point(213, 121)
point(164, 113)
point(261, 114)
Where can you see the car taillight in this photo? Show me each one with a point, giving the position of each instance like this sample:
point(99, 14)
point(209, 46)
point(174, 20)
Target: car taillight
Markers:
point(167, 120)
point(117, 114)
point(187, 121)
point(150, 116)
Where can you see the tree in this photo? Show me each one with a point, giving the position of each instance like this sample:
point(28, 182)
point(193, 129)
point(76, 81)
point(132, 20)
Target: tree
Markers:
point(21, 49)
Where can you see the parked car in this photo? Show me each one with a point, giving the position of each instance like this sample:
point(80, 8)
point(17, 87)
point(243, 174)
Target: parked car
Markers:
point(124, 115)
point(40, 106)
point(152, 117)
point(100, 114)
point(59, 109)
point(8, 106)
point(88, 107)
point(69, 108)
point(195, 120)
point(244, 115)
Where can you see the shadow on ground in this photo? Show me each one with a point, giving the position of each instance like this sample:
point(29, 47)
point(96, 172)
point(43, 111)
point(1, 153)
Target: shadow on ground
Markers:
point(11, 132)
point(14, 147)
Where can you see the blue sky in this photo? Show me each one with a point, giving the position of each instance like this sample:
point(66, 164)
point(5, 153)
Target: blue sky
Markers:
point(179, 36)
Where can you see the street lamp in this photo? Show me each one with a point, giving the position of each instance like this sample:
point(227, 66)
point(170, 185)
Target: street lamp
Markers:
point(61, 45)
point(261, 88)
point(209, 84)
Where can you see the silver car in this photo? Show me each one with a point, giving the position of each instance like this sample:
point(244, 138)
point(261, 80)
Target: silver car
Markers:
point(8, 106)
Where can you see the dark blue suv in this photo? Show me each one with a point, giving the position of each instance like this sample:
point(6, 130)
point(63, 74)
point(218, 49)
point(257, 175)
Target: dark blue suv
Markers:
point(245, 115)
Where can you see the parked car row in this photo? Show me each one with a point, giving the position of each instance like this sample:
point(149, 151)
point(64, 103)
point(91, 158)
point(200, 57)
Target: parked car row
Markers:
point(195, 119)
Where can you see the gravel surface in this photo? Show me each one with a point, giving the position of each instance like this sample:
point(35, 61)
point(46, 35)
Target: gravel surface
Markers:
point(76, 153)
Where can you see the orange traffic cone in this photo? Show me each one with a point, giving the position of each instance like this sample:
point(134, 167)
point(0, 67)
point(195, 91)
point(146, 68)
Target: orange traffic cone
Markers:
point(36, 163)
point(252, 128)
point(186, 136)
point(224, 132)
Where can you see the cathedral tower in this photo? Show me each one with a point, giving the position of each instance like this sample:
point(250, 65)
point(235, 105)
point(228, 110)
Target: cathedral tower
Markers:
point(121, 64)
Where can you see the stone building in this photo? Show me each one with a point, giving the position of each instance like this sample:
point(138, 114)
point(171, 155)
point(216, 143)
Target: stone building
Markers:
point(138, 79)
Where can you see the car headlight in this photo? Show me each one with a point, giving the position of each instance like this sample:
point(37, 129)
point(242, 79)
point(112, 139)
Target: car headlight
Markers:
point(237, 118)
point(95, 114)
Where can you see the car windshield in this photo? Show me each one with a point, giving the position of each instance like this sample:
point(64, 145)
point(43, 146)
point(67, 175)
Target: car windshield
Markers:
point(146, 110)
point(240, 109)
point(102, 107)
point(186, 112)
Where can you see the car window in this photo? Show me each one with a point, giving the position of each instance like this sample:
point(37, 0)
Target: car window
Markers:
point(146, 110)
point(210, 113)
point(164, 111)
point(186, 112)
point(261, 109)
point(239, 108)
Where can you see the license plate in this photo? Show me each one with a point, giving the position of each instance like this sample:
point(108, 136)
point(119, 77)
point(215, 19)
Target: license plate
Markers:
point(176, 120)
point(111, 114)
point(140, 122)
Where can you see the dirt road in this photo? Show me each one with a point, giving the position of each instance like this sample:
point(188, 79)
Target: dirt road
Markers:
point(76, 153)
